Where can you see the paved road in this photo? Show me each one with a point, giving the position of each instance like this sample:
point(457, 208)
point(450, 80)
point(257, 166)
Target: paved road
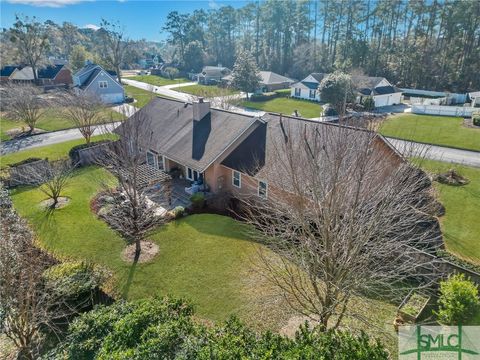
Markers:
point(219, 101)
point(433, 152)
point(50, 138)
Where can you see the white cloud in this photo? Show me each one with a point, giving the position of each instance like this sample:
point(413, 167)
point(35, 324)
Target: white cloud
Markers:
point(46, 3)
point(212, 4)
point(91, 26)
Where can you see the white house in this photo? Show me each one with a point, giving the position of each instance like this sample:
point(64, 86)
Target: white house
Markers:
point(93, 79)
point(308, 88)
point(379, 88)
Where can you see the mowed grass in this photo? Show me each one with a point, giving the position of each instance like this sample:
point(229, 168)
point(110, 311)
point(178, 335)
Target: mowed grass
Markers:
point(206, 258)
point(52, 152)
point(143, 97)
point(287, 106)
point(461, 222)
point(158, 80)
point(52, 119)
point(439, 130)
point(206, 90)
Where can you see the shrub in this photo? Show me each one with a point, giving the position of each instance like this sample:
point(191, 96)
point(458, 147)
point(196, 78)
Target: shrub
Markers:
point(264, 97)
point(198, 200)
point(165, 328)
point(476, 119)
point(178, 212)
point(25, 161)
point(368, 103)
point(458, 300)
point(73, 280)
point(73, 153)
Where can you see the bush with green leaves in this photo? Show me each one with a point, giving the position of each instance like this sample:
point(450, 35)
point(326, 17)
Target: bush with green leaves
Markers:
point(178, 212)
point(476, 119)
point(368, 103)
point(74, 281)
point(198, 200)
point(165, 328)
point(458, 300)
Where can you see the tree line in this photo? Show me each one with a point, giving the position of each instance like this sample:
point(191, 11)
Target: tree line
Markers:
point(415, 43)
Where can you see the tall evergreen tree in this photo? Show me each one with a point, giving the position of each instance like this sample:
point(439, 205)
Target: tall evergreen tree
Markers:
point(245, 73)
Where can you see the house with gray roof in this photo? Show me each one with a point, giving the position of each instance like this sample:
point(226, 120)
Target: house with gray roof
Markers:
point(211, 75)
point(382, 92)
point(95, 80)
point(224, 151)
point(269, 81)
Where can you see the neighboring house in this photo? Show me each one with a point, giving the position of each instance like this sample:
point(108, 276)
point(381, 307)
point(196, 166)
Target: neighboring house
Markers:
point(379, 88)
point(58, 74)
point(224, 151)
point(93, 79)
point(269, 82)
point(6, 73)
point(55, 75)
point(475, 98)
point(383, 93)
point(212, 74)
point(22, 74)
point(150, 61)
point(308, 88)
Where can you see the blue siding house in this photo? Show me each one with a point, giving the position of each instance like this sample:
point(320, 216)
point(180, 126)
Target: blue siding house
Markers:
point(92, 78)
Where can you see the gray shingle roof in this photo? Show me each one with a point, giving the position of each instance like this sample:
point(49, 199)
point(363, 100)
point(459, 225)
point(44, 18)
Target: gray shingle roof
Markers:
point(195, 144)
point(269, 78)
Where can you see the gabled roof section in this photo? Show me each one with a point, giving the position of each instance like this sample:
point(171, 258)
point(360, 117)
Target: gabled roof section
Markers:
point(90, 78)
point(318, 76)
point(86, 69)
point(269, 78)
point(383, 90)
point(49, 72)
point(196, 144)
point(7, 70)
point(366, 82)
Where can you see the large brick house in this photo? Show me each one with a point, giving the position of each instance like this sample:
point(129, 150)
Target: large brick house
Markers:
point(224, 150)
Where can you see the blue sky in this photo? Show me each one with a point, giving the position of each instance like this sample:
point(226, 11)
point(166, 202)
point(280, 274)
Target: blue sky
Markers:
point(142, 19)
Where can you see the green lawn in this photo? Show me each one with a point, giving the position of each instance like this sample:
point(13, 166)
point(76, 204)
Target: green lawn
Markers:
point(143, 97)
point(51, 120)
point(52, 152)
point(461, 222)
point(307, 109)
point(440, 130)
point(158, 80)
point(207, 91)
point(205, 258)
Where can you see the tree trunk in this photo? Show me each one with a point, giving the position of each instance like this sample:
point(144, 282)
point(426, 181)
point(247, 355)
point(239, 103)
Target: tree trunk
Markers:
point(138, 249)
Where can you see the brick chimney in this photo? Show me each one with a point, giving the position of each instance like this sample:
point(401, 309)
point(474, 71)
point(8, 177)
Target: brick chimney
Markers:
point(200, 109)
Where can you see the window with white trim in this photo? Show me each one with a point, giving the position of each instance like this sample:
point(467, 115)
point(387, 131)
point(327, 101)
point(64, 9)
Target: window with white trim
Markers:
point(312, 94)
point(298, 91)
point(236, 179)
point(103, 84)
point(262, 189)
point(151, 158)
point(160, 162)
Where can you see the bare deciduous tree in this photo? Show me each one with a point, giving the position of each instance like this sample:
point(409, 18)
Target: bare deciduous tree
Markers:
point(28, 310)
point(347, 216)
point(115, 45)
point(24, 103)
point(133, 214)
point(31, 39)
point(86, 112)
